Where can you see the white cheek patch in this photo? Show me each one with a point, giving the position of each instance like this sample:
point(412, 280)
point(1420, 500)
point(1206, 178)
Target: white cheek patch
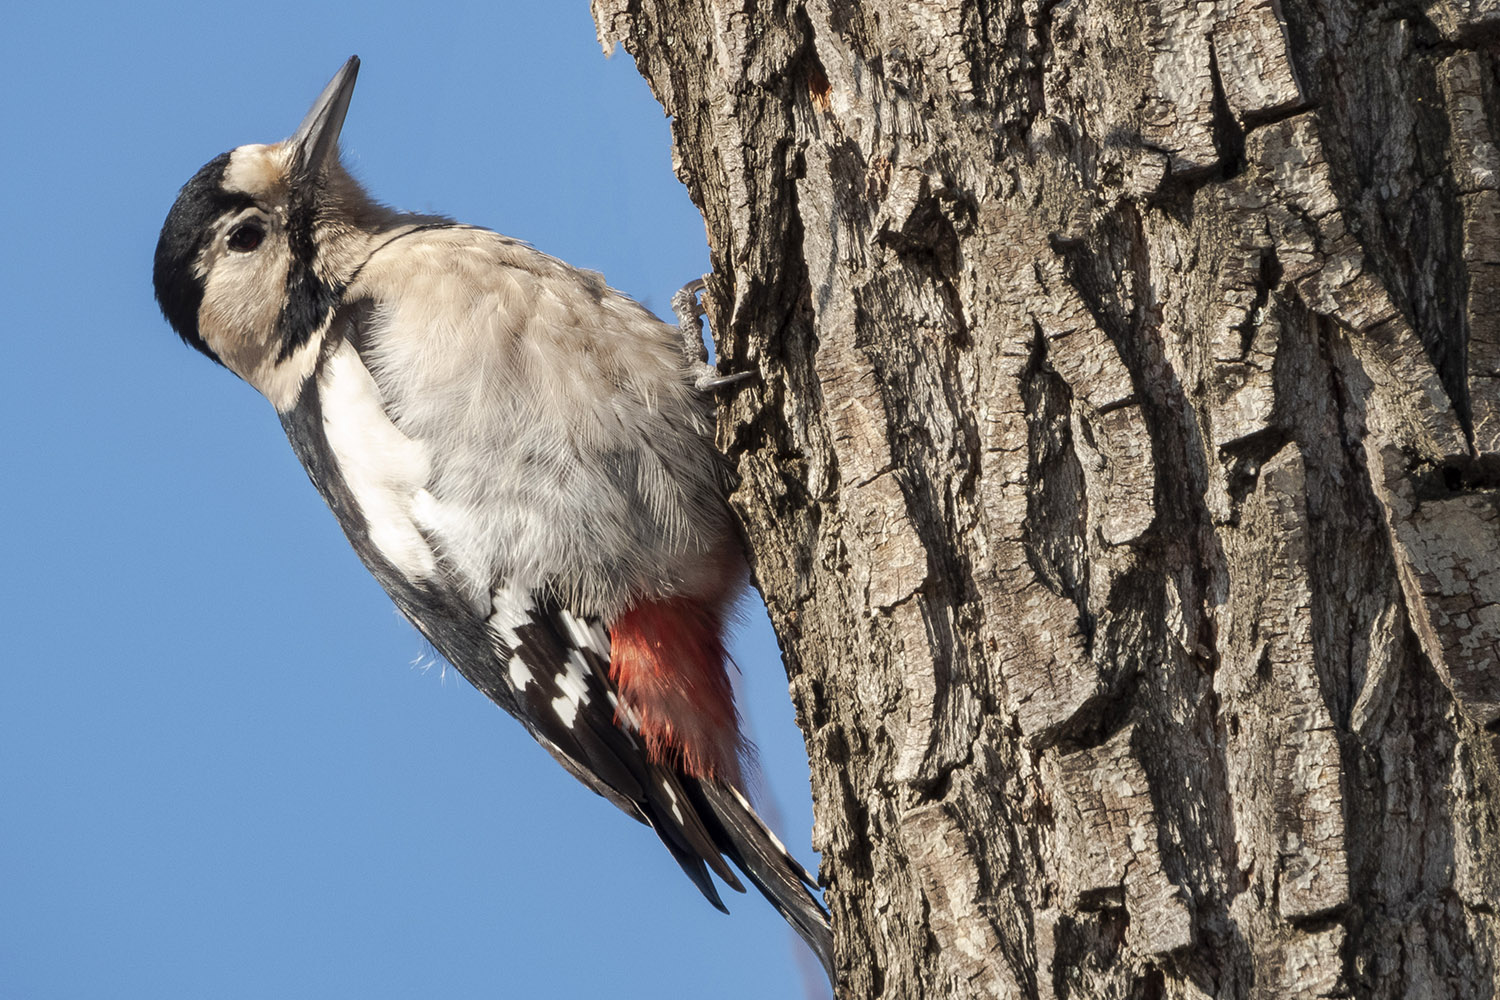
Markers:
point(382, 467)
point(237, 318)
point(281, 382)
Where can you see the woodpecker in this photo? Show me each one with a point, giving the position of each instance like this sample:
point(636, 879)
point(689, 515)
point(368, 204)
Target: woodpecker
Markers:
point(521, 455)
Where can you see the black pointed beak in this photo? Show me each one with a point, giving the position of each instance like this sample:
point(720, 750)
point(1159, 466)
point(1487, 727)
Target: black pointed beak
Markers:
point(318, 135)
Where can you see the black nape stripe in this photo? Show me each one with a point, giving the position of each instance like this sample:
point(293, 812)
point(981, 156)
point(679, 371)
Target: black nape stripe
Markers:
point(428, 227)
point(187, 230)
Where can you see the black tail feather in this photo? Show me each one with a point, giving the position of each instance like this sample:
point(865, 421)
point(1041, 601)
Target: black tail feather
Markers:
point(756, 852)
point(692, 864)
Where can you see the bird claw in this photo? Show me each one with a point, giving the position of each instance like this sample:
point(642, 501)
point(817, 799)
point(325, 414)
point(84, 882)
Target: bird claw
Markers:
point(687, 304)
point(711, 381)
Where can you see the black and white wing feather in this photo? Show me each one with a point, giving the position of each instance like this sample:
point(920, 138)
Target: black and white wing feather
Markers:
point(522, 648)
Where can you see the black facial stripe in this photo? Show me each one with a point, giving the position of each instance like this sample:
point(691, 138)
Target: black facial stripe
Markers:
point(308, 299)
point(186, 232)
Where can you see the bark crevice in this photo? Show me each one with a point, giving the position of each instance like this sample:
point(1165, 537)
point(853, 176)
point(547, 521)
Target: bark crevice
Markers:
point(1122, 478)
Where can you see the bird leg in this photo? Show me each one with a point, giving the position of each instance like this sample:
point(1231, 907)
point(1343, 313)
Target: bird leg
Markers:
point(687, 304)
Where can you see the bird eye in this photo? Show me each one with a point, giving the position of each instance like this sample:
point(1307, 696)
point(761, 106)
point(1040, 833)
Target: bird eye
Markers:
point(245, 237)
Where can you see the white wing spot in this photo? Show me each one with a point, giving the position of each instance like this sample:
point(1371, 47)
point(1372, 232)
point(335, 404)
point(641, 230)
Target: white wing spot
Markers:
point(520, 673)
point(566, 709)
point(624, 713)
point(511, 608)
point(671, 794)
point(578, 672)
point(585, 635)
point(570, 682)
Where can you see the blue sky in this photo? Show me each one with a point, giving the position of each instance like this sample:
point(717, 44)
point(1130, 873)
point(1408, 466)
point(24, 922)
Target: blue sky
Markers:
point(227, 767)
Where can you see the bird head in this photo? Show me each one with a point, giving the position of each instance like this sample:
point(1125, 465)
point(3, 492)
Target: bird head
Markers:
point(254, 254)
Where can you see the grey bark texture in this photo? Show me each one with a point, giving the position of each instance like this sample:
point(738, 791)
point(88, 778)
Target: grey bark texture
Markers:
point(1123, 474)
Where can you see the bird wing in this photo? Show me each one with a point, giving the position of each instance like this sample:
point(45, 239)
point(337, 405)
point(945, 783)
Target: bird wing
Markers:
point(558, 667)
point(520, 645)
point(521, 648)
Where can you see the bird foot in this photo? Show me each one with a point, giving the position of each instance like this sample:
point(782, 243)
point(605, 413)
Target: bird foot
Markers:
point(687, 304)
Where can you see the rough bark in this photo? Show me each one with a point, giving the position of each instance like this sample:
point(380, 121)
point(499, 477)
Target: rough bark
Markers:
point(1123, 475)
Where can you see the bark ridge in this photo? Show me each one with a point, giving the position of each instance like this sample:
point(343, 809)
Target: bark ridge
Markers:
point(1123, 477)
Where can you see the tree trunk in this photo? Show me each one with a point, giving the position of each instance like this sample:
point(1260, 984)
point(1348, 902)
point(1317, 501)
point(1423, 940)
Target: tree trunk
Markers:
point(1123, 475)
